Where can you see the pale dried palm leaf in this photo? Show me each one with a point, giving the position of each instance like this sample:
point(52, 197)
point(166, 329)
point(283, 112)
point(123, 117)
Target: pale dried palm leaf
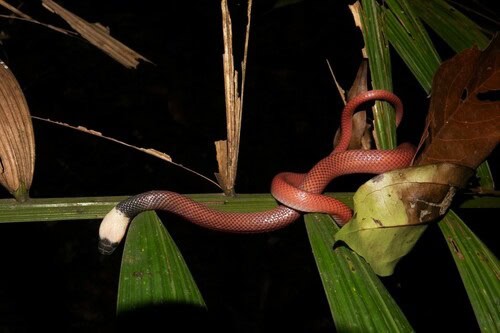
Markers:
point(17, 143)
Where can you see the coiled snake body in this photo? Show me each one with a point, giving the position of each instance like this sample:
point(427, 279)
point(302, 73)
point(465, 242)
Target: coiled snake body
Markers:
point(296, 192)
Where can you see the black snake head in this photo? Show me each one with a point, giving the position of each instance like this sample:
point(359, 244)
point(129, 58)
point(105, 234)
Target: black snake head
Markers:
point(106, 246)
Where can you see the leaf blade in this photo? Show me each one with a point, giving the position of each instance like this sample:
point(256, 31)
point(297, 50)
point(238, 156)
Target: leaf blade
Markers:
point(87, 208)
point(358, 300)
point(381, 73)
point(153, 272)
point(478, 268)
point(450, 24)
point(459, 116)
point(410, 39)
point(392, 211)
point(17, 141)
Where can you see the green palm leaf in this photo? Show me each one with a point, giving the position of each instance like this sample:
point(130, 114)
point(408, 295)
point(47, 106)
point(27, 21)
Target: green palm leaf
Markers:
point(358, 300)
point(155, 281)
point(479, 270)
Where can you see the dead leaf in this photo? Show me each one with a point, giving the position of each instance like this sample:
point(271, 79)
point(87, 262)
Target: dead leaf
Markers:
point(361, 131)
point(228, 150)
point(98, 36)
point(463, 124)
point(393, 208)
point(18, 14)
point(17, 142)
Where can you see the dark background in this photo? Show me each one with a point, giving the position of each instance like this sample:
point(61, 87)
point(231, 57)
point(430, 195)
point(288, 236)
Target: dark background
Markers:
point(52, 276)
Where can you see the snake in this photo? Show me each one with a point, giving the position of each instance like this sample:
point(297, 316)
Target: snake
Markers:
point(297, 193)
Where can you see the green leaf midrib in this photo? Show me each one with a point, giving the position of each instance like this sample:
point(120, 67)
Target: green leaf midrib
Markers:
point(88, 208)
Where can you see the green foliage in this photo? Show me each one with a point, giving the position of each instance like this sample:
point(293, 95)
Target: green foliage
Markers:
point(456, 29)
point(381, 73)
point(408, 36)
point(358, 300)
point(479, 270)
point(153, 272)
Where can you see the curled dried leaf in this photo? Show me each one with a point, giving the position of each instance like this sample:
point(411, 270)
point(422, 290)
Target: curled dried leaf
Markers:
point(393, 208)
point(464, 115)
point(361, 130)
point(17, 143)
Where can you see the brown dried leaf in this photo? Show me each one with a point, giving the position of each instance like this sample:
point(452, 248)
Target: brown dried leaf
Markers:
point(23, 16)
point(429, 198)
point(228, 150)
point(361, 131)
point(17, 143)
point(222, 159)
point(97, 35)
point(360, 84)
point(464, 116)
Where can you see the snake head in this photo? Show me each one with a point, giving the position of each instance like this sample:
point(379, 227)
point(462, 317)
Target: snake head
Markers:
point(111, 231)
point(106, 247)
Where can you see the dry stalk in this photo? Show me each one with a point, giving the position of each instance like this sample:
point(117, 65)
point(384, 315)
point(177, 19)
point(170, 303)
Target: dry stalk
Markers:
point(227, 150)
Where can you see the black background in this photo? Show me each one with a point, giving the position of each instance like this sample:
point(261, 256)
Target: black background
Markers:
point(52, 276)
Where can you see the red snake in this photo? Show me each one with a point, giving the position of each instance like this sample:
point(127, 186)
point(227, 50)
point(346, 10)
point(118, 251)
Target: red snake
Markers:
point(296, 192)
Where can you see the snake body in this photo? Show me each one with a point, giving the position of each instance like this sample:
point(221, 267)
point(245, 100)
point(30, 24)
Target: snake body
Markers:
point(296, 192)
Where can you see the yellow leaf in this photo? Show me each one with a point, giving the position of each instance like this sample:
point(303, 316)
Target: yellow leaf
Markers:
point(391, 210)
